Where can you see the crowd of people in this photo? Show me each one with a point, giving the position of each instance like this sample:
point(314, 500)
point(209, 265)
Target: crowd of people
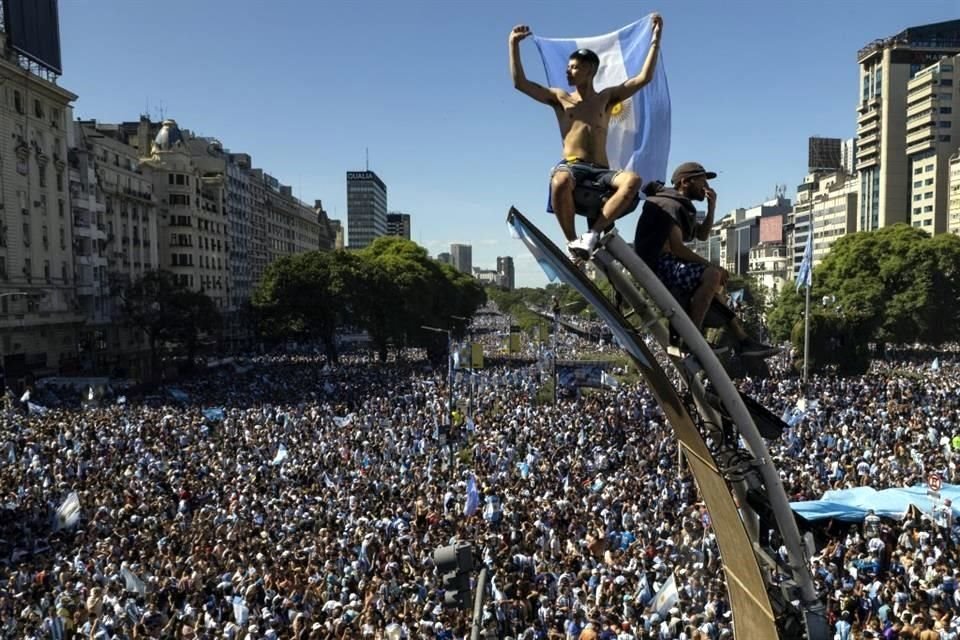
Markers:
point(309, 507)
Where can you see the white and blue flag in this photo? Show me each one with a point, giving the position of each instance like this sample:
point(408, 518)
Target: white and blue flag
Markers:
point(805, 274)
point(638, 138)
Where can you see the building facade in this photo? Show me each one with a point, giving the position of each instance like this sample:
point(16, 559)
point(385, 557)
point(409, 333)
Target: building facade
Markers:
point(932, 100)
point(461, 256)
point(826, 207)
point(506, 271)
point(886, 69)
point(953, 225)
point(398, 224)
point(366, 208)
point(39, 313)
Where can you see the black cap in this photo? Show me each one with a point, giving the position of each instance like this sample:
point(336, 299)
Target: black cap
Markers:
point(587, 56)
point(691, 170)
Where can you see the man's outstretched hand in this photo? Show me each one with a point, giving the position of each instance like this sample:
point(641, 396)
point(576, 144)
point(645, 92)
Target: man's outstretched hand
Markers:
point(519, 32)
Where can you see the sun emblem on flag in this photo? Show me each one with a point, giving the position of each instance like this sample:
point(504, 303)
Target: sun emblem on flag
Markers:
point(620, 111)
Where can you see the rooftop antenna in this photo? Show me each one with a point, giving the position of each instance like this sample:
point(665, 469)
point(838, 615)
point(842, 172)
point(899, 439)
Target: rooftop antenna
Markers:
point(367, 152)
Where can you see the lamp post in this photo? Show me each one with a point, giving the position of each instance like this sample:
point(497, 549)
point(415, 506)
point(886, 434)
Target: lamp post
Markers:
point(556, 330)
point(449, 333)
point(470, 367)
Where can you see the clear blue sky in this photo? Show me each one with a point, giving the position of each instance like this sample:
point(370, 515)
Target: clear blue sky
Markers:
point(305, 86)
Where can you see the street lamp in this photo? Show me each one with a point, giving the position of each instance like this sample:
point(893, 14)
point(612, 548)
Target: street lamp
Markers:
point(470, 356)
point(449, 333)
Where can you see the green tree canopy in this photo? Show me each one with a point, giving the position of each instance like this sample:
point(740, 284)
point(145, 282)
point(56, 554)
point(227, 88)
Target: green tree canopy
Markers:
point(896, 284)
point(390, 288)
point(168, 312)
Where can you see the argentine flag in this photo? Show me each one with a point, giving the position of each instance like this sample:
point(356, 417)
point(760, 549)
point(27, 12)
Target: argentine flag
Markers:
point(805, 274)
point(638, 138)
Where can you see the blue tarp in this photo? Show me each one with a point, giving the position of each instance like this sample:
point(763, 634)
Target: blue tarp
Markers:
point(851, 505)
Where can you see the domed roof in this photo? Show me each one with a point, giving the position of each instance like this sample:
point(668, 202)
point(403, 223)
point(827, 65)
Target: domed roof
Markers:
point(168, 137)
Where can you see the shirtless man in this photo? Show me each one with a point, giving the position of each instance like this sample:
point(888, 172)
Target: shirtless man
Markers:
point(583, 117)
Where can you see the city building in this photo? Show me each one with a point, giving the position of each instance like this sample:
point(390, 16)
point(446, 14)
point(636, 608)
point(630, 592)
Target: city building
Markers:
point(445, 258)
point(398, 224)
point(39, 313)
point(823, 154)
point(882, 161)
point(366, 208)
point(336, 230)
point(827, 207)
point(462, 257)
point(506, 272)
point(953, 225)
point(848, 156)
point(487, 276)
point(739, 232)
point(932, 101)
point(116, 241)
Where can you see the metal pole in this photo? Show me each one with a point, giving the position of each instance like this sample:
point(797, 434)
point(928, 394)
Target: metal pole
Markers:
point(478, 605)
point(806, 338)
point(470, 400)
point(555, 331)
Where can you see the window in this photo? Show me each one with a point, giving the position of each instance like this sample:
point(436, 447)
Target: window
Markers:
point(26, 234)
point(928, 181)
point(27, 268)
point(169, 178)
point(63, 273)
point(946, 110)
point(945, 124)
point(181, 179)
point(17, 101)
point(42, 171)
point(918, 171)
point(45, 238)
point(918, 183)
point(917, 197)
point(928, 168)
point(928, 208)
point(946, 82)
point(46, 270)
point(3, 271)
point(60, 207)
point(928, 222)
point(944, 138)
point(37, 109)
point(59, 180)
point(63, 238)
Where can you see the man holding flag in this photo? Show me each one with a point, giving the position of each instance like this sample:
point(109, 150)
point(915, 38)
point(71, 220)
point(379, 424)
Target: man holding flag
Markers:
point(586, 118)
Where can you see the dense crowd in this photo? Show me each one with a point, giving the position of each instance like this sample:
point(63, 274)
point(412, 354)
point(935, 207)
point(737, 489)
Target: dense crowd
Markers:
point(310, 508)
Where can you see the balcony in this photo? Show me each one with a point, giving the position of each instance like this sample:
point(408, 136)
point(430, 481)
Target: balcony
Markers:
point(870, 126)
point(919, 106)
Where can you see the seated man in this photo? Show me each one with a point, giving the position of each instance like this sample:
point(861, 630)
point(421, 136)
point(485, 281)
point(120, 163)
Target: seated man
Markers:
point(667, 221)
point(584, 116)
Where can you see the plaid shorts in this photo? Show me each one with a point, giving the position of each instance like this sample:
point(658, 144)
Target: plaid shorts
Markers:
point(679, 275)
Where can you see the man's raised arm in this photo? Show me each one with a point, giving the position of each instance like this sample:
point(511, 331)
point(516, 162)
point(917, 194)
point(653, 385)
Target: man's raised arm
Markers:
point(520, 81)
point(637, 82)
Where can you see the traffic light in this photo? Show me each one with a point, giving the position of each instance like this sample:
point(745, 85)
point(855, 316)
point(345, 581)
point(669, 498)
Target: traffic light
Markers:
point(454, 564)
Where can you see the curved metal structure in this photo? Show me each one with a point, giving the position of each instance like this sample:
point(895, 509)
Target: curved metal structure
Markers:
point(740, 485)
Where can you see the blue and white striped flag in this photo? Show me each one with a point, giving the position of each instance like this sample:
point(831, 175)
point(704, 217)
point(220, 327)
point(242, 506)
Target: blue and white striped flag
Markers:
point(805, 274)
point(638, 138)
point(473, 497)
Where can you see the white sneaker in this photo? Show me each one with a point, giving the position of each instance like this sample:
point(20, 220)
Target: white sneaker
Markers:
point(584, 246)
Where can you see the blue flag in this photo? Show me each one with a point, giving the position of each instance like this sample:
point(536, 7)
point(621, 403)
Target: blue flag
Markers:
point(473, 497)
point(805, 274)
point(638, 137)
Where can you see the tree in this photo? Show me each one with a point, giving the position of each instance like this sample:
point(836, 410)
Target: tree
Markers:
point(895, 284)
point(308, 295)
point(168, 312)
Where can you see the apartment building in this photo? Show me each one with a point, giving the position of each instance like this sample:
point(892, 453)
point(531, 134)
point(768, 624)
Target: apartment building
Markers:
point(933, 97)
point(39, 313)
point(885, 151)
